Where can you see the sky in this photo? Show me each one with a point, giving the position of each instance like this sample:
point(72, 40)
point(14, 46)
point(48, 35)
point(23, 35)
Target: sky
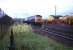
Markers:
point(26, 8)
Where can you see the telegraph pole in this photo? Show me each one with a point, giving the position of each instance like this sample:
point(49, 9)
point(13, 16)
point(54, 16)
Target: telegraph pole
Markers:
point(55, 10)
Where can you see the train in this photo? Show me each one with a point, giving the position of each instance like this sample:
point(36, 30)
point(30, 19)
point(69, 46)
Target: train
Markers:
point(38, 20)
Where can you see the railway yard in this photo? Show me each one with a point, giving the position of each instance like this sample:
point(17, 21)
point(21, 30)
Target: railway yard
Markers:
point(36, 25)
point(27, 37)
point(36, 33)
point(59, 33)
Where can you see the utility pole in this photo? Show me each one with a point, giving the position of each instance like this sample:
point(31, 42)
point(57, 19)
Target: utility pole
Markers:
point(55, 10)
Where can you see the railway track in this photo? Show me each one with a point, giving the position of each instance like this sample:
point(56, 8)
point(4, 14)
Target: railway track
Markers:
point(58, 36)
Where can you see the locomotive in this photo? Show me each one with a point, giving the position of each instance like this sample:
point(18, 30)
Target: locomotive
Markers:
point(36, 20)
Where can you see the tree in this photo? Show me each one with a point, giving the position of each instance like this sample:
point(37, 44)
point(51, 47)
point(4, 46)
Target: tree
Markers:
point(5, 23)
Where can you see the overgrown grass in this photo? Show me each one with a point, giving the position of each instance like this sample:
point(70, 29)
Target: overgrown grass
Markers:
point(27, 40)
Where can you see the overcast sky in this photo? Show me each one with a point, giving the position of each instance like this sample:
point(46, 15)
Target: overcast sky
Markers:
point(26, 8)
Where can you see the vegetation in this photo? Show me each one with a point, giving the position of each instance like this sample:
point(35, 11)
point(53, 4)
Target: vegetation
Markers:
point(5, 23)
point(27, 40)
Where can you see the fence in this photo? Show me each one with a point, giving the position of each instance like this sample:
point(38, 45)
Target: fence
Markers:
point(4, 30)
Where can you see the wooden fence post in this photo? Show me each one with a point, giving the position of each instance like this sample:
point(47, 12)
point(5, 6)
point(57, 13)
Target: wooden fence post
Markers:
point(12, 42)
